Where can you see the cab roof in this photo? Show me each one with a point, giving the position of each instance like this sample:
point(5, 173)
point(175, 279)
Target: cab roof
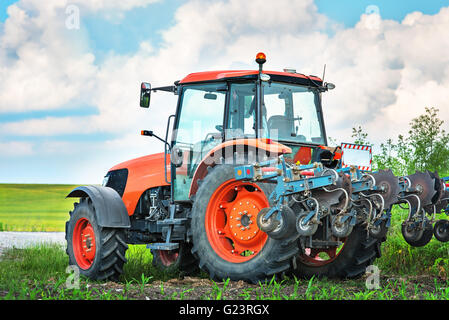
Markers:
point(210, 76)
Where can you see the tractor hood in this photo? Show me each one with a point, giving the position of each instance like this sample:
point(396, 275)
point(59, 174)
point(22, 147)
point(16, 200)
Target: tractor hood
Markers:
point(142, 162)
point(143, 173)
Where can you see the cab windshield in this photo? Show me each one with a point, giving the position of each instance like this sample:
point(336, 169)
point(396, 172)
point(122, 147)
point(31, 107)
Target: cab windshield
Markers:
point(290, 113)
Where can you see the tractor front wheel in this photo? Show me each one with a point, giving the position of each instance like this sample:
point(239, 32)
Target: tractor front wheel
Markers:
point(98, 252)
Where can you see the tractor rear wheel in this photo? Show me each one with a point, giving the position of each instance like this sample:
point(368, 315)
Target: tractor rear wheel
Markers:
point(226, 238)
point(98, 252)
point(350, 260)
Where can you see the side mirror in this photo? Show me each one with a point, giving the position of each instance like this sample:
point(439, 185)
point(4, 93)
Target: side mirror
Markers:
point(329, 86)
point(145, 94)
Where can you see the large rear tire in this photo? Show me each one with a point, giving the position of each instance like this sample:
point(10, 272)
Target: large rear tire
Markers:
point(350, 260)
point(98, 252)
point(226, 239)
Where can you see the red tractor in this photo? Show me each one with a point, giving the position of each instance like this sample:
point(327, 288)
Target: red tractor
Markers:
point(189, 207)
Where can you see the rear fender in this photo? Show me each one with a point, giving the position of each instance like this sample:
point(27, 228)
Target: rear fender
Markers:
point(110, 211)
point(229, 148)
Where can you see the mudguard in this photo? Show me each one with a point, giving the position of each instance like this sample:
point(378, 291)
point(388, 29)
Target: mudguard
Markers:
point(110, 211)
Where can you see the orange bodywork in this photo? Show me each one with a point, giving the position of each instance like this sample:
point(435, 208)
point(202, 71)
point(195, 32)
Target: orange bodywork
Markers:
point(143, 173)
point(223, 74)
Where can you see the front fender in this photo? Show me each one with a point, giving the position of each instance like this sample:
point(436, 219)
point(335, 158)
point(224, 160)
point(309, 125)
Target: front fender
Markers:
point(110, 211)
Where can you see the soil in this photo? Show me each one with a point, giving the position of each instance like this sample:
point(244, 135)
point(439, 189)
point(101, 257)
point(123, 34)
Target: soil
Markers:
point(192, 288)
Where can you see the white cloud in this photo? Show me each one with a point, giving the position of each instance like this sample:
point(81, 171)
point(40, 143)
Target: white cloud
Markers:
point(43, 64)
point(385, 71)
point(15, 149)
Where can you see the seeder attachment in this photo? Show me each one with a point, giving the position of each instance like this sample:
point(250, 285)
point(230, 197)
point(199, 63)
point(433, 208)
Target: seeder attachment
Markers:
point(307, 195)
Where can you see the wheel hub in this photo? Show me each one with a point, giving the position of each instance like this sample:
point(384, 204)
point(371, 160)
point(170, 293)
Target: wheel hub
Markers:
point(231, 221)
point(242, 221)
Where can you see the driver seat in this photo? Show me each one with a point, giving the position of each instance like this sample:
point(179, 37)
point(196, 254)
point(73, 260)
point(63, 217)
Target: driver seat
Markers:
point(282, 124)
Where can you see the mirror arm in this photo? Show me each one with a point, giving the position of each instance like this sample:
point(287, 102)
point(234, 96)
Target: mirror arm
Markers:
point(167, 89)
point(151, 134)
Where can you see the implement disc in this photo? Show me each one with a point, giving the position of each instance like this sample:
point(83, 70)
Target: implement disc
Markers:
point(388, 185)
point(425, 185)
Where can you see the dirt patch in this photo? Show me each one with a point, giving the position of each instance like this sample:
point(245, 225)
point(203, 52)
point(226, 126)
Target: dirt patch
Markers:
point(192, 288)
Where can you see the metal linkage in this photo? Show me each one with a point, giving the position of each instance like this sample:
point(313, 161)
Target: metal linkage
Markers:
point(350, 195)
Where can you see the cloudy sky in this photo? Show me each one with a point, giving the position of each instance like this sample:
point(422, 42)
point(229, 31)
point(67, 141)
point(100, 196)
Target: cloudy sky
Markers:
point(70, 70)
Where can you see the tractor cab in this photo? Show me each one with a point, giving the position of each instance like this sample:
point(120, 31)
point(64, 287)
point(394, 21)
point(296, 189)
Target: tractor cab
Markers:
point(220, 106)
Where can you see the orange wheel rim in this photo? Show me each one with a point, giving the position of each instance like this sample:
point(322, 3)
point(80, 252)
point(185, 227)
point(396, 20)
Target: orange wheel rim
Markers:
point(230, 223)
point(84, 247)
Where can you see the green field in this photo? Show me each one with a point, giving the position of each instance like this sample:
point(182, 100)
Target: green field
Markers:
point(34, 207)
point(406, 272)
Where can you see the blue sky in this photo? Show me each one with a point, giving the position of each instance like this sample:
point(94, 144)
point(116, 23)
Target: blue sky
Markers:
point(51, 156)
point(348, 11)
point(141, 24)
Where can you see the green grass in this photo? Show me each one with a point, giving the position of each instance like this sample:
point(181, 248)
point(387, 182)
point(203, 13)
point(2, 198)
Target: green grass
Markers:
point(40, 273)
point(34, 207)
point(36, 271)
point(400, 258)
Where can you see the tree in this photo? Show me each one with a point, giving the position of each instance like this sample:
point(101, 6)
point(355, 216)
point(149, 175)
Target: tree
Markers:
point(425, 148)
point(360, 136)
point(428, 142)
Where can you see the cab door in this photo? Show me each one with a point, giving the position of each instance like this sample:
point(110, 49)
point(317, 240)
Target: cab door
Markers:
point(199, 128)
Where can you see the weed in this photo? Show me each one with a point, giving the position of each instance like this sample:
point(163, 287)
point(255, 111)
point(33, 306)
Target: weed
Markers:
point(219, 292)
